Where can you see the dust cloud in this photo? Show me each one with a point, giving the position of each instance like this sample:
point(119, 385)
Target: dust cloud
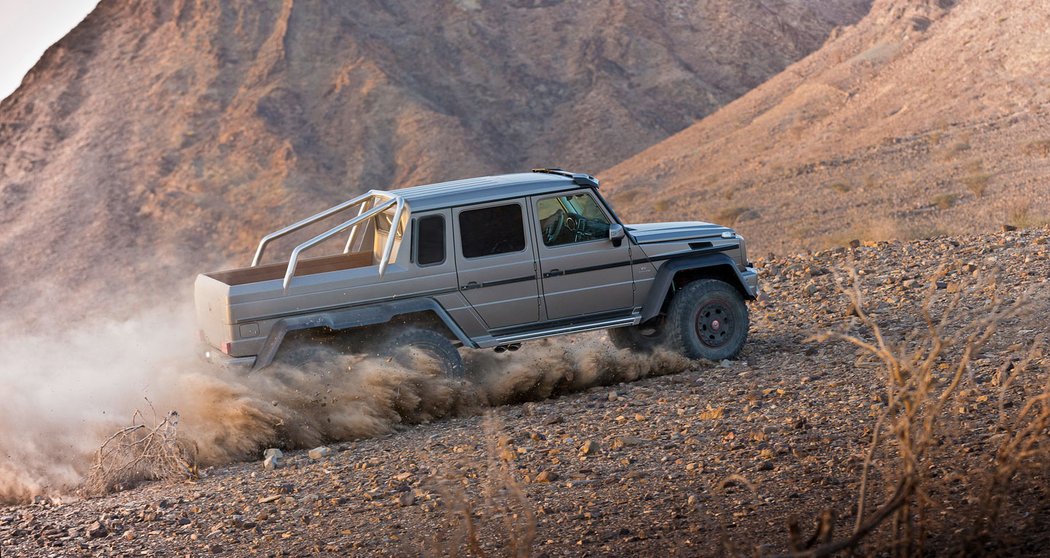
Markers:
point(67, 391)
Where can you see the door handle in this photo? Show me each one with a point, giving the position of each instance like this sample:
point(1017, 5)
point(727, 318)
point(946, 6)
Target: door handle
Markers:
point(554, 273)
point(471, 285)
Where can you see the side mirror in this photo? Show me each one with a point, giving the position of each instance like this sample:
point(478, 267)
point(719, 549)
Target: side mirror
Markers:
point(616, 234)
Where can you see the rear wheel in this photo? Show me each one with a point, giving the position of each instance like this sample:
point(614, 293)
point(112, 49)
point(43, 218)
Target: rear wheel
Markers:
point(405, 345)
point(708, 319)
point(314, 349)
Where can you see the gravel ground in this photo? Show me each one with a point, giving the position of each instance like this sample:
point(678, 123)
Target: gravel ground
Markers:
point(717, 457)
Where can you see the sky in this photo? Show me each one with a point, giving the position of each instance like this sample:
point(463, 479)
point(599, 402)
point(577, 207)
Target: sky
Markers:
point(27, 28)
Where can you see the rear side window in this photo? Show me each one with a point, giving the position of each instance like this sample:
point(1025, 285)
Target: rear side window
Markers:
point(492, 230)
point(430, 240)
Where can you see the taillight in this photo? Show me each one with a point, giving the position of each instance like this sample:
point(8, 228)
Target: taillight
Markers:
point(226, 347)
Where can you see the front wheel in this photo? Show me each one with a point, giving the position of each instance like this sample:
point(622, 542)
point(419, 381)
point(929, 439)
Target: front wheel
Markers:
point(405, 344)
point(708, 319)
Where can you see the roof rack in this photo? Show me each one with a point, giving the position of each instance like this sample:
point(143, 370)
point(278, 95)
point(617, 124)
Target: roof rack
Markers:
point(372, 203)
point(578, 178)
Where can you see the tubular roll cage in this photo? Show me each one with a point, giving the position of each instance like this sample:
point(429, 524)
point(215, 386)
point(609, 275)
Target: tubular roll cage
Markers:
point(372, 204)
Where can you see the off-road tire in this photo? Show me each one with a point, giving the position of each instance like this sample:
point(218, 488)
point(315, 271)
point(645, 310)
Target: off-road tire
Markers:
point(640, 338)
point(429, 341)
point(707, 319)
point(307, 350)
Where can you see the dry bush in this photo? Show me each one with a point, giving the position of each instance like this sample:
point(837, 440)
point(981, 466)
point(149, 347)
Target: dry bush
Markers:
point(501, 513)
point(977, 184)
point(1039, 148)
point(957, 148)
point(142, 452)
point(945, 201)
point(730, 215)
point(928, 378)
point(840, 187)
point(1019, 214)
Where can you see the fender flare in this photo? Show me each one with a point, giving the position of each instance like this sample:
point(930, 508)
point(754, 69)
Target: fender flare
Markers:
point(349, 318)
point(654, 301)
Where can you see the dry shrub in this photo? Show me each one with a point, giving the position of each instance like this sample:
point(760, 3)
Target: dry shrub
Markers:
point(977, 184)
point(958, 147)
point(730, 215)
point(1039, 148)
point(945, 201)
point(840, 187)
point(500, 515)
point(141, 452)
point(1019, 214)
point(929, 379)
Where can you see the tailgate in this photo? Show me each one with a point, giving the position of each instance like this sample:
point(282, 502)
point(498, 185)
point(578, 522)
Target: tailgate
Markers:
point(212, 299)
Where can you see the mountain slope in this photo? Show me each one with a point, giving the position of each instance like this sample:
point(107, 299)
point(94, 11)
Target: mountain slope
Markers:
point(924, 118)
point(157, 139)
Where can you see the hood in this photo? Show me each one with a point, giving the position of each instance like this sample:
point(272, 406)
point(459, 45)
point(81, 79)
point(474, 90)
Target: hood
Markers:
point(666, 232)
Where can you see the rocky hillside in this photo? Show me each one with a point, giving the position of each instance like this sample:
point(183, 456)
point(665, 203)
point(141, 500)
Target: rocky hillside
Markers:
point(925, 117)
point(161, 137)
point(702, 460)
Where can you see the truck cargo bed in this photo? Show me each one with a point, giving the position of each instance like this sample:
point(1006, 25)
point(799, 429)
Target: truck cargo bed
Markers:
point(307, 266)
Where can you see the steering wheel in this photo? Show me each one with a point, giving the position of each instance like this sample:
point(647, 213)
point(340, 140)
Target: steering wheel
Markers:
point(554, 226)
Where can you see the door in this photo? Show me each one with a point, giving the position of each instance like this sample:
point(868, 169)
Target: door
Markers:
point(583, 271)
point(496, 263)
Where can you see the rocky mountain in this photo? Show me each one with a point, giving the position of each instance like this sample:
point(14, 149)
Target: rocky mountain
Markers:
point(925, 117)
point(159, 138)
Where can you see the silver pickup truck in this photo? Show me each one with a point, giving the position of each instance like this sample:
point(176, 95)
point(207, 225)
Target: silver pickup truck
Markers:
point(481, 263)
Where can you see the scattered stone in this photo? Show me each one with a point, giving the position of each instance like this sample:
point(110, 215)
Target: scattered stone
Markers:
point(273, 452)
point(406, 499)
point(589, 447)
point(97, 530)
point(271, 462)
point(320, 452)
point(268, 499)
point(626, 442)
point(546, 476)
point(910, 283)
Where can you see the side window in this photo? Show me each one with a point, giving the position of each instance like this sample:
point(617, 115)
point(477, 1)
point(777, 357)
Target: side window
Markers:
point(571, 218)
point(492, 230)
point(430, 240)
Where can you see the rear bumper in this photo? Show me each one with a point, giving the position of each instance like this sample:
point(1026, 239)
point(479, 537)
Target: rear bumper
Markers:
point(218, 358)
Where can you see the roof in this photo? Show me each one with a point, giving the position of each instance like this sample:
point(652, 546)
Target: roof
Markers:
point(489, 188)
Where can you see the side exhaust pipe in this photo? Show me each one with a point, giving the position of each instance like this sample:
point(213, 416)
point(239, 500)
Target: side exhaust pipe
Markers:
point(505, 348)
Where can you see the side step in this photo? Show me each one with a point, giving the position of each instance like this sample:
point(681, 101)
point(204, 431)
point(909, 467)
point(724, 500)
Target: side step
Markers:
point(563, 330)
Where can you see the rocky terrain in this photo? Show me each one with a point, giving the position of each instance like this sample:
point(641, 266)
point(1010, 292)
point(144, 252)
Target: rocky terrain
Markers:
point(161, 138)
point(925, 118)
point(712, 459)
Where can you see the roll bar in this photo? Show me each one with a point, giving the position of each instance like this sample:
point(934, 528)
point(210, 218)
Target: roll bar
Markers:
point(372, 203)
